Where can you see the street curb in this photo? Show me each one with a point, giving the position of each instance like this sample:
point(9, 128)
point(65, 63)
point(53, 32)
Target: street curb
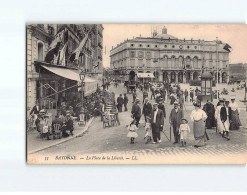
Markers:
point(64, 140)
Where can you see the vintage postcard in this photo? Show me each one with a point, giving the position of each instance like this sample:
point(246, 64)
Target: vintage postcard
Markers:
point(136, 94)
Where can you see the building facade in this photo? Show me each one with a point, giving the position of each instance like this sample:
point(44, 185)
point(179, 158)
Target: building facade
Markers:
point(170, 59)
point(40, 83)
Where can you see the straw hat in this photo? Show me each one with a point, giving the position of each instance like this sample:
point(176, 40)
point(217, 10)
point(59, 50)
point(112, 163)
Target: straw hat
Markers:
point(184, 120)
point(233, 97)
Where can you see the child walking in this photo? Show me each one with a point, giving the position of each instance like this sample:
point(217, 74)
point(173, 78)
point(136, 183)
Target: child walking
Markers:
point(132, 131)
point(148, 130)
point(183, 130)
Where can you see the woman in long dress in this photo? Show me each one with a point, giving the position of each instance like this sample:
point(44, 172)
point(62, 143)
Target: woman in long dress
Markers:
point(198, 116)
point(220, 126)
point(235, 121)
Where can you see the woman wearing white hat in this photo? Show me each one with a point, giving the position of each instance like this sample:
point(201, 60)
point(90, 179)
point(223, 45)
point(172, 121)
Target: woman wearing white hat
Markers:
point(235, 121)
point(220, 126)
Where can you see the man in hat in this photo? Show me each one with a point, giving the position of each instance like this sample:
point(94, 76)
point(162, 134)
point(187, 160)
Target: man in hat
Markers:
point(181, 101)
point(120, 102)
point(145, 95)
point(186, 93)
point(134, 96)
point(175, 119)
point(147, 109)
point(191, 95)
point(225, 115)
point(136, 111)
point(157, 123)
point(126, 100)
point(161, 106)
point(68, 125)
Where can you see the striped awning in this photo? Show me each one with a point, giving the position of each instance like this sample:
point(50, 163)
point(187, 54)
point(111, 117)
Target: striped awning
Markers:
point(68, 73)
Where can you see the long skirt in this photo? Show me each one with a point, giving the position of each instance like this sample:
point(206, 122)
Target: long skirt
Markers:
point(210, 121)
point(220, 125)
point(235, 123)
point(200, 133)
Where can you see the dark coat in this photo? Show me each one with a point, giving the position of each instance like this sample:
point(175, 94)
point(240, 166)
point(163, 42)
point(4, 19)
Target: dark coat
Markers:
point(136, 111)
point(159, 119)
point(175, 118)
point(35, 110)
point(223, 113)
point(162, 107)
point(120, 100)
point(147, 109)
point(126, 100)
point(69, 124)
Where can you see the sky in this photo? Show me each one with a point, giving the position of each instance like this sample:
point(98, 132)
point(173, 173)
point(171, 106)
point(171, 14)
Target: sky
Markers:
point(233, 34)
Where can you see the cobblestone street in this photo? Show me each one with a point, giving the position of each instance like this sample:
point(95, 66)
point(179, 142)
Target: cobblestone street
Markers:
point(113, 140)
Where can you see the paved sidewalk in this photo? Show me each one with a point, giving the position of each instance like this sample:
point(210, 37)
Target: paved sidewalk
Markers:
point(36, 144)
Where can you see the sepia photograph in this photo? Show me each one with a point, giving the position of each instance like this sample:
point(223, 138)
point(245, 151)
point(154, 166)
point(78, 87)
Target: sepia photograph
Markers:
point(136, 93)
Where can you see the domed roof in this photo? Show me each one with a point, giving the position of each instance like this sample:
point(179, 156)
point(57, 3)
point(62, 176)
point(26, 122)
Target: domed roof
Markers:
point(206, 75)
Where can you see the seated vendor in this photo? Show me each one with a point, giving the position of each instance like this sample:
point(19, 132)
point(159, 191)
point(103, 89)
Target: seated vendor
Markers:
point(68, 126)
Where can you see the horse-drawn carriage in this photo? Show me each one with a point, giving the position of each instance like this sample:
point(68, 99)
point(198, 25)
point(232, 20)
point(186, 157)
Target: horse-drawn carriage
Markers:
point(131, 87)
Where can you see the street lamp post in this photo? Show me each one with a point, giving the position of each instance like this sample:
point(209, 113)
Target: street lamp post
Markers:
point(82, 77)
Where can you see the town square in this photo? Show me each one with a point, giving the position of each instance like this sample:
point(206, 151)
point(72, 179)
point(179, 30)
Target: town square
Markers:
point(145, 99)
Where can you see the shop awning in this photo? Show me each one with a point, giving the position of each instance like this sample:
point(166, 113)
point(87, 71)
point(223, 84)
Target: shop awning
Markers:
point(145, 75)
point(68, 73)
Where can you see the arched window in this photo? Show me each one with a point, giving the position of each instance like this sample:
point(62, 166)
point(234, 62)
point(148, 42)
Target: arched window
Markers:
point(180, 62)
point(165, 61)
point(195, 62)
point(188, 61)
point(173, 61)
point(40, 51)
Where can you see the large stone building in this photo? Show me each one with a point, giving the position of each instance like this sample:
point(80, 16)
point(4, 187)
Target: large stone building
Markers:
point(45, 78)
point(169, 58)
